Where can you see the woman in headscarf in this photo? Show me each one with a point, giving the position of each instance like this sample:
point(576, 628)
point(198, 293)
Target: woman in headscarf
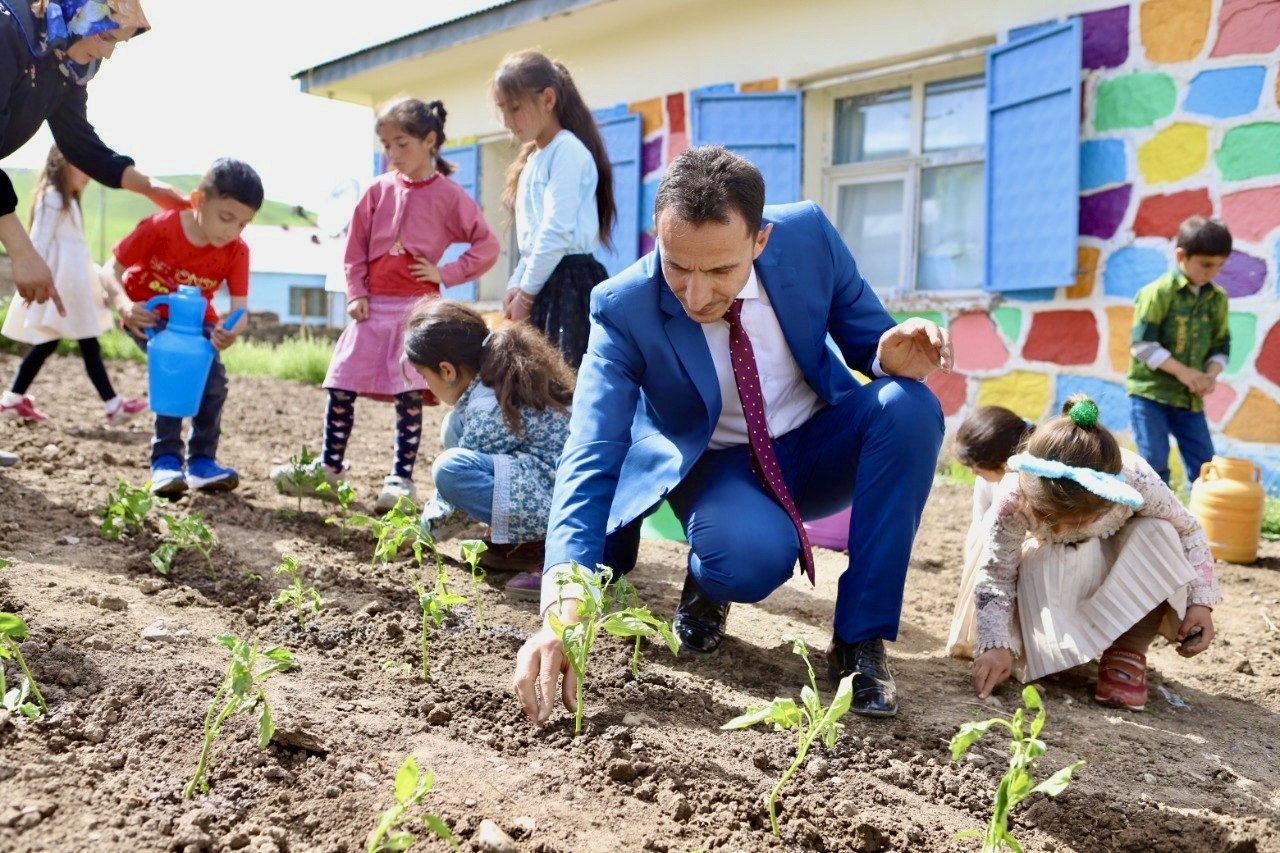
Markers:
point(49, 51)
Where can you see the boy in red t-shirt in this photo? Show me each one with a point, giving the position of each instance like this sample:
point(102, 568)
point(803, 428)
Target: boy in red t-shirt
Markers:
point(198, 246)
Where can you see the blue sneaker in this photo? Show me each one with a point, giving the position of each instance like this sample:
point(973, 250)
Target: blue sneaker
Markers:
point(208, 476)
point(167, 480)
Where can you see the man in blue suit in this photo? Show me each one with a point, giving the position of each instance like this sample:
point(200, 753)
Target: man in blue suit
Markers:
point(736, 325)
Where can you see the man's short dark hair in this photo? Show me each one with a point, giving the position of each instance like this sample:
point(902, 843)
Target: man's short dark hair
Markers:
point(1201, 236)
point(705, 184)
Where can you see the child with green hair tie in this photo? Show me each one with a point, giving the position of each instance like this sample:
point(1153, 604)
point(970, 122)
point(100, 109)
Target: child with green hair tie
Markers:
point(1099, 557)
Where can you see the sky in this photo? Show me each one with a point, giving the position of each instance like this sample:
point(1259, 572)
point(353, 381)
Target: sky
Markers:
point(212, 80)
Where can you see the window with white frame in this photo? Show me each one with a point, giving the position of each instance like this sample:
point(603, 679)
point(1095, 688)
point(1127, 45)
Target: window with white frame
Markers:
point(904, 178)
point(308, 302)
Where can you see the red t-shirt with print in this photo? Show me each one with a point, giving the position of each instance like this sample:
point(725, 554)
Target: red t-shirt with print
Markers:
point(158, 257)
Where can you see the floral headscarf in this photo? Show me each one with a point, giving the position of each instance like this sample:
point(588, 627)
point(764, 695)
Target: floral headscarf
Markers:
point(68, 21)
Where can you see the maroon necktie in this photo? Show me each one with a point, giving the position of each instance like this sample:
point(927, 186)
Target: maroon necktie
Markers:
point(763, 458)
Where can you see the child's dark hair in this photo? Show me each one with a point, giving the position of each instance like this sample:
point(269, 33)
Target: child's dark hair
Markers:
point(1202, 236)
point(525, 75)
point(418, 119)
point(233, 179)
point(53, 178)
point(1075, 438)
point(988, 437)
point(515, 360)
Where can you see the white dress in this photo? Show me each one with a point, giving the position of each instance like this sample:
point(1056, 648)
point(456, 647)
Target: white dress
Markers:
point(963, 637)
point(58, 236)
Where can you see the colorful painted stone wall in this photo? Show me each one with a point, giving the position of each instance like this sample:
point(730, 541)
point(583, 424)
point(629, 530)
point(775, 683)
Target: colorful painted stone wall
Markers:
point(1181, 116)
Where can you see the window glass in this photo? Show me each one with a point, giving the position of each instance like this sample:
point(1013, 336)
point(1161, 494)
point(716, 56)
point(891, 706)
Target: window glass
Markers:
point(955, 113)
point(871, 223)
point(873, 127)
point(950, 248)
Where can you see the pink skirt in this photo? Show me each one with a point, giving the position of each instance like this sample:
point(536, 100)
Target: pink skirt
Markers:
point(369, 356)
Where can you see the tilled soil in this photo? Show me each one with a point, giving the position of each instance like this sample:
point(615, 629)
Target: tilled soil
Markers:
point(1198, 770)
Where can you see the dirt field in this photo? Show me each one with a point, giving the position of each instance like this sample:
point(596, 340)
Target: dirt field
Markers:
point(104, 771)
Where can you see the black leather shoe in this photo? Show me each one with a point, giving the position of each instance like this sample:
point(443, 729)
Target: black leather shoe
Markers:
point(874, 693)
point(699, 621)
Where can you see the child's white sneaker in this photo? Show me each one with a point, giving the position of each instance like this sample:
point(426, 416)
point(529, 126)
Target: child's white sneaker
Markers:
point(125, 410)
point(393, 489)
point(292, 478)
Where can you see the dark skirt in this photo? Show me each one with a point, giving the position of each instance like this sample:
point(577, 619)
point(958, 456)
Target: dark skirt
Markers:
point(561, 310)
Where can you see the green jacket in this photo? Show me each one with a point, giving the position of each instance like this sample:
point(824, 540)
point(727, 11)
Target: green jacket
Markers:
point(1192, 327)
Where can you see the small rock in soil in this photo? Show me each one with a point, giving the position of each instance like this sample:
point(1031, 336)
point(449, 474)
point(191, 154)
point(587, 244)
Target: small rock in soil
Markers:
point(1148, 778)
point(818, 767)
point(1244, 668)
point(523, 826)
point(761, 760)
point(493, 840)
point(67, 540)
point(150, 586)
point(113, 602)
point(439, 715)
point(98, 642)
point(634, 718)
point(621, 770)
point(158, 632)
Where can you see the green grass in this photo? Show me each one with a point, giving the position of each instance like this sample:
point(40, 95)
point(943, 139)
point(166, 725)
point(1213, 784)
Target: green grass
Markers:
point(957, 474)
point(301, 359)
point(1271, 519)
point(125, 209)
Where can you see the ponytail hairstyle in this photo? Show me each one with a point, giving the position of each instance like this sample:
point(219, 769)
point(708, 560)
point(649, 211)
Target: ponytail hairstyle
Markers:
point(525, 75)
point(418, 119)
point(988, 437)
point(53, 178)
point(515, 360)
point(1074, 438)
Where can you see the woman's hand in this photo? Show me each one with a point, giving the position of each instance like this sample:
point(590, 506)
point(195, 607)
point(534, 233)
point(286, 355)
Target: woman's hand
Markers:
point(517, 304)
point(34, 281)
point(162, 195)
point(540, 663)
point(1190, 641)
point(358, 308)
point(423, 270)
point(991, 669)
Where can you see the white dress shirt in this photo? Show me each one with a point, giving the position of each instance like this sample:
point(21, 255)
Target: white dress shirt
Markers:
point(788, 399)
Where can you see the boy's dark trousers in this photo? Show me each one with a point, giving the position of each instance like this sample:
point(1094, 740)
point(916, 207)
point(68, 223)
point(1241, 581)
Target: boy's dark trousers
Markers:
point(206, 426)
point(1154, 422)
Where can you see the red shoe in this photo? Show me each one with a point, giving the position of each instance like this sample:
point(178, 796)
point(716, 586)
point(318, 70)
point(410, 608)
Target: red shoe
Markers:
point(1122, 679)
point(24, 409)
point(126, 411)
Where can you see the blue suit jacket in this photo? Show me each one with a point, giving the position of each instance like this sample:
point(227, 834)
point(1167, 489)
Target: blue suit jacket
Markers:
point(647, 398)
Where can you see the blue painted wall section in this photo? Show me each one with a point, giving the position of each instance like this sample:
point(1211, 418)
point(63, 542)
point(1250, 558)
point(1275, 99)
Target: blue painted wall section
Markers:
point(1225, 92)
point(1102, 163)
point(1113, 402)
point(1132, 268)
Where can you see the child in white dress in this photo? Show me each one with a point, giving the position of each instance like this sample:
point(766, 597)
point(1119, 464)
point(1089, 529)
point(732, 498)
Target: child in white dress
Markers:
point(983, 443)
point(1098, 556)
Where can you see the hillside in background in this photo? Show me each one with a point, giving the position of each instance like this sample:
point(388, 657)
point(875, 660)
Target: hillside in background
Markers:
point(123, 209)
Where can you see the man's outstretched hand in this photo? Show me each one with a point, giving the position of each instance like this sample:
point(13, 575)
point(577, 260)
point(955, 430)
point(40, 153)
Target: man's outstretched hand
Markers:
point(540, 663)
point(915, 348)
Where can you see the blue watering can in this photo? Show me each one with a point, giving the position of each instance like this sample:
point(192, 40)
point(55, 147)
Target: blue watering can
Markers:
point(179, 356)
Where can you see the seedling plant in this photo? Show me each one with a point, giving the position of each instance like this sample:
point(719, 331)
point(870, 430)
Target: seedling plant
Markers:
point(182, 534)
point(1018, 782)
point(345, 494)
point(12, 631)
point(302, 598)
point(471, 551)
point(410, 787)
point(304, 475)
point(398, 526)
point(598, 610)
point(126, 511)
point(810, 720)
point(241, 690)
point(435, 603)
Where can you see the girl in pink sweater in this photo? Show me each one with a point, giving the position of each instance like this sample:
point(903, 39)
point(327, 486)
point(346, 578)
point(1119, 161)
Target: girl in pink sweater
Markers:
point(399, 231)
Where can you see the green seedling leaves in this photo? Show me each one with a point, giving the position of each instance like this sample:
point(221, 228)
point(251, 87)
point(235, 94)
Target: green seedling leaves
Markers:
point(609, 606)
point(13, 631)
point(304, 599)
point(15, 700)
point(411, 785)
point(810, 719)
point(1018, 782)
point(304, 476)
point(471, 551)
point(126, 510)
point(436, 603)
point(345, 494)
point(183, 533)
point(241, 690)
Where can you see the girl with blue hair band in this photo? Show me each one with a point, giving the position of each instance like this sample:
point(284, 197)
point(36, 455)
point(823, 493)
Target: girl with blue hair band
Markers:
point(1090, 553)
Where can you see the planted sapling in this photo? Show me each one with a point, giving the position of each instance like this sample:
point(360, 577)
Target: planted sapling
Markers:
point(126, 510)
point(471, 551)
point(600, 609)
point(12, 631)
point(411, 786)
point(181, 534)
point(303, 598)
point(345, 494)
point(398, 526)
point(1018, 782)
point(810, 720)
point(303, 476)
point(241, 690)
point(435, 603)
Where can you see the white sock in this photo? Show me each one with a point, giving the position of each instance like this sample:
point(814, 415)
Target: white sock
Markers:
point(113, 405)
point(10, 399)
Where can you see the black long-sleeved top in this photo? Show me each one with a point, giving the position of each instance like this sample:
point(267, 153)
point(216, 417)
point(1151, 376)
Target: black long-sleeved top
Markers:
point(33, 90)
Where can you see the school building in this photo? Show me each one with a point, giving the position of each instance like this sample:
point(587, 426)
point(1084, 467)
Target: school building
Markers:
point(1014, 169)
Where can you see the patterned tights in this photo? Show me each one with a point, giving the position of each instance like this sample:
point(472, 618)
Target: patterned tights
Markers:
point(339, 417)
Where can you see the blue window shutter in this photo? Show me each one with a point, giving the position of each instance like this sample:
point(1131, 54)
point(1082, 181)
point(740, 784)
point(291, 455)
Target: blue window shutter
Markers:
point(466, 173)
point(1033, 159)
point(621, 133)
point(764, 127)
